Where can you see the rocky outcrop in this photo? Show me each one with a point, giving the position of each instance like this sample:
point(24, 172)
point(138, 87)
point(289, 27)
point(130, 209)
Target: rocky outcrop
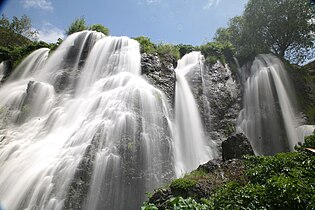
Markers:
point(159, 71)
point(208, 178)
point(236, 146)
point(218, 95)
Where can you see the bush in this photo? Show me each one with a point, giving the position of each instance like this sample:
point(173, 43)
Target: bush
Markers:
point(168, 49)
point(183, 184)
point(146, 46)
point(99, 28)
point(185, 49)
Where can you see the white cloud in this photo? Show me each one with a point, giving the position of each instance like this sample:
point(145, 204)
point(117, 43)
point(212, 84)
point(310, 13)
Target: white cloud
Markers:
point(50, 33)
point(149, 2)
point(39, 4)
point(153, 1)
point(211, 3)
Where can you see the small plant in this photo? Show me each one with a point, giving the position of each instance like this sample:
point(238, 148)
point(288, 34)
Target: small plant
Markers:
point(186, 204)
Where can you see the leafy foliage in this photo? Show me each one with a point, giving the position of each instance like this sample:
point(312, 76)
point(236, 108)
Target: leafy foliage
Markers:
point(99, 28)
point(283, 27)
point(214, 51)
point(283, 181)
point(168, 49)
point(77, 25)
point(309, 143)
point(21, 26)
point(146, 46)
point(185, 49)
point(184, 184)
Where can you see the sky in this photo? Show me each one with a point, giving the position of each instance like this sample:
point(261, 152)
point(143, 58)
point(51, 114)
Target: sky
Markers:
point(169, 21)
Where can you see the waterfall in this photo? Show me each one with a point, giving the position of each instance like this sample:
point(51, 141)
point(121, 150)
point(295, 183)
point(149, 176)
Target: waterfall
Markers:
point(304, 131)
point(191, 147)
point(268, 115)
point(1, 70)
point(80, 128)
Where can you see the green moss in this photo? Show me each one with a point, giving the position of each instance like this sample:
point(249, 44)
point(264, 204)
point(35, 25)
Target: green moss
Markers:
point(183, 184)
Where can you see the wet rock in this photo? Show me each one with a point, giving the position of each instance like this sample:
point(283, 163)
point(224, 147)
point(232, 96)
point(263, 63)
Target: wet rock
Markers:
point(236, 146)
point(160, 198)
point(215, 174)
point(160, 73)
point(210, 166)
point(218, 95)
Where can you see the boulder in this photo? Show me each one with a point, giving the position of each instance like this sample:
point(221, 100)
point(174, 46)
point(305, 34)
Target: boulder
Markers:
point(236, 146)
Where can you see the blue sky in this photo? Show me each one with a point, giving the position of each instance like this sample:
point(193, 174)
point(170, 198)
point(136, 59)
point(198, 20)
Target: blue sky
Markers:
point(170, 21)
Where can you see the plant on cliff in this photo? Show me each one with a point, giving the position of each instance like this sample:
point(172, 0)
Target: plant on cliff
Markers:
point(183, 184)
point(168, 49)
point(146, 46)
point(285, 28)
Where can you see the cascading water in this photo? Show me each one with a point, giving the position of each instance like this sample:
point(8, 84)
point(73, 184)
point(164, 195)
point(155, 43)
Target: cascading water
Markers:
point(81, 129)
point(191, 148)
point(1, 70)
point(268, 117)
point(304, 131)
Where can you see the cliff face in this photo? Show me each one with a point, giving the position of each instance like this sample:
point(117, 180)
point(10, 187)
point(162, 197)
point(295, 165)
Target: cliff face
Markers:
point(160, 73)
point(215, 89)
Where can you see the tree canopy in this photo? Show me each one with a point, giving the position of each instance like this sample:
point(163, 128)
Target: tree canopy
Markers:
point(284, 27)
point(99, 28)
point(79, 24)
point(22, 26)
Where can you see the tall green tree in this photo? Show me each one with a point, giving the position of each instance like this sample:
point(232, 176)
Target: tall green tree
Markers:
point(77, 25)
point(283, 27)
point(99, 28)
point(22, 26)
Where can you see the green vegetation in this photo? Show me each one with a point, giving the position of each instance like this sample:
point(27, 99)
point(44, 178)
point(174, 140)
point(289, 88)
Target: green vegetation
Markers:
point(283, 181)
point(213, 51)
point(79, 24)
point(21, 26)
point(183, 184)
point(284, 28)
point(146, 46)
point(99, 28)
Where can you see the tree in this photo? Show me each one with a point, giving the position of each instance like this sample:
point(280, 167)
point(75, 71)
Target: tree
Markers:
point(283, 27)
point(22, 26)
point(99, 28)
point(146, 46)
point(77, 25)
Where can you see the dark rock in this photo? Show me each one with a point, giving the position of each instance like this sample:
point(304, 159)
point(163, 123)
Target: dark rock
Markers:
point(160, 73)
point(236, 146)
point(217, 93)
point(210, 166)
point(160, 198)
point(218, 174)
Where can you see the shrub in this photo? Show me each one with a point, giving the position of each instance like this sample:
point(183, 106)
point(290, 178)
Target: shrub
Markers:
point(183, 184)
point(99, 28)
point(146, 46)
point(168, 49)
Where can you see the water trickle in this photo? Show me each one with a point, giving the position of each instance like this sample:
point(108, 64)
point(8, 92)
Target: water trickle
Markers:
point(1, 70)
point(268, 117)
point(191, 148)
